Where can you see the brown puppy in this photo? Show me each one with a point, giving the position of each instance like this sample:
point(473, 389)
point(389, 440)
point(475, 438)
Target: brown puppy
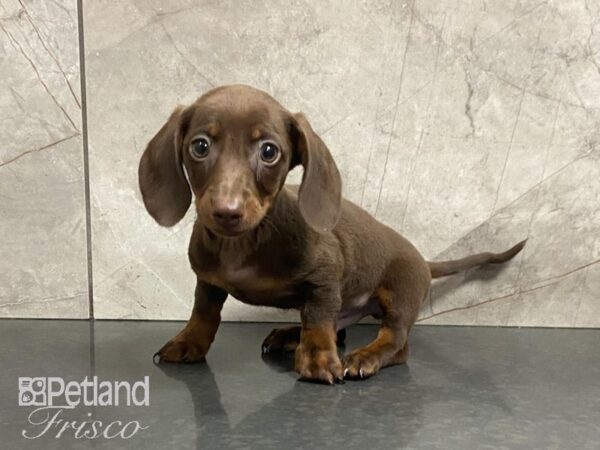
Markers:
point(274, 245)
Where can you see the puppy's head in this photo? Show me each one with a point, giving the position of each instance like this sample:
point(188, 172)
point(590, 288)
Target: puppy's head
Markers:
point(237, 145)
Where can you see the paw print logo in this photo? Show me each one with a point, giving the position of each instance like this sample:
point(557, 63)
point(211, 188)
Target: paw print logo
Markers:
point(32, 391)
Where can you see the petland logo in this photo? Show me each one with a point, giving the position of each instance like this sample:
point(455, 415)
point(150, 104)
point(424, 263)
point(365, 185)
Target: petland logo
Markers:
point(52, 396)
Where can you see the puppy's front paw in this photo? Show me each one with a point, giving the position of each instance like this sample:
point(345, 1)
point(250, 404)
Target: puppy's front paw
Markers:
point(179, 350)
point(319, 365)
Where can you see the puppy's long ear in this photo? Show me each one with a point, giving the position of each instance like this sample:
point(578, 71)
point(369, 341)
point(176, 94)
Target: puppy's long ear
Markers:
point(320, 193)
point(164, 188)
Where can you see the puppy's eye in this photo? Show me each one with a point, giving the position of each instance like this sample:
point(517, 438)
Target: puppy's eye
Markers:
point(199, 148)
point(269, 153)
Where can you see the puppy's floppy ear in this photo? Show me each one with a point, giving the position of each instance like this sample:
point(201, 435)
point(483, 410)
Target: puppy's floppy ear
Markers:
point(163, 184)
point(320, 193)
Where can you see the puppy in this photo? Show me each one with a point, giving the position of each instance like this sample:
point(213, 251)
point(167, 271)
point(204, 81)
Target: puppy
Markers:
point(269, 244)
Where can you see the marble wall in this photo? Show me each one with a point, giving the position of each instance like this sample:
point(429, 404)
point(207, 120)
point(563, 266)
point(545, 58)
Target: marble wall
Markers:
point(467, 126)
point(42, 221)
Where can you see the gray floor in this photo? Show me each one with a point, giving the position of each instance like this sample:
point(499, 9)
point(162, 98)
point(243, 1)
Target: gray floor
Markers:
point(462, 388)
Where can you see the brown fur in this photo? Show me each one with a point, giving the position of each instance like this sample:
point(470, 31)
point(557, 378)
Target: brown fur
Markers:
point(274, 245)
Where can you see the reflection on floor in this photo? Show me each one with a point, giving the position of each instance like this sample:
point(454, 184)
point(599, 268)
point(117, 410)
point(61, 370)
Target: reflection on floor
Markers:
point(462, 388)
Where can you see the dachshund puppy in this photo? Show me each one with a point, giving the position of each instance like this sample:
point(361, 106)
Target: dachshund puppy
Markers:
point(269, 244)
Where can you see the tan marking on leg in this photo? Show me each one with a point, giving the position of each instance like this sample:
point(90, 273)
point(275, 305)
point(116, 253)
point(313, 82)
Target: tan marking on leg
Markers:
point(316, 356)
point(387, 347)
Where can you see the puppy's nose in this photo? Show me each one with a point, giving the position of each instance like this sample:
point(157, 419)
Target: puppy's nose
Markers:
point(228, 214)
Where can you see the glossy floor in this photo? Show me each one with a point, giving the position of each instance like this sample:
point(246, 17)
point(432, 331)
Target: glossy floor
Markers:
point(462, 388)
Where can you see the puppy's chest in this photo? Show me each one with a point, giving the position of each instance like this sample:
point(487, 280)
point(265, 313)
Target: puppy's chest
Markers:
point(249, 283)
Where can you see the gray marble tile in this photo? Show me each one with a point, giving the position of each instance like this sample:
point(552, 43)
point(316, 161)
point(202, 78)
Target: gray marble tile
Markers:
point(462, 388)
point(588, 308)
point(43, 257)
point(555, 303)
point(466, 126)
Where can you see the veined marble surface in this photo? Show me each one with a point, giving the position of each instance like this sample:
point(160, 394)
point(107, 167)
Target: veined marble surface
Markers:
point(466, 126)
point(42, 223)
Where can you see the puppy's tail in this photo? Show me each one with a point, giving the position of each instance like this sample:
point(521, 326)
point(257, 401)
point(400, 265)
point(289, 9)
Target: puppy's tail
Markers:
point(444, 268)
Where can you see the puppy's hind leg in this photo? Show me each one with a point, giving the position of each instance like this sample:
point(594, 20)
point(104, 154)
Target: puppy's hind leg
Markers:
point(287, 339)
point(399, 296)
point(282, 340)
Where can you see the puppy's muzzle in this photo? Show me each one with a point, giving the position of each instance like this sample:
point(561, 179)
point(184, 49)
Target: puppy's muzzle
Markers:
point(228, 214)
